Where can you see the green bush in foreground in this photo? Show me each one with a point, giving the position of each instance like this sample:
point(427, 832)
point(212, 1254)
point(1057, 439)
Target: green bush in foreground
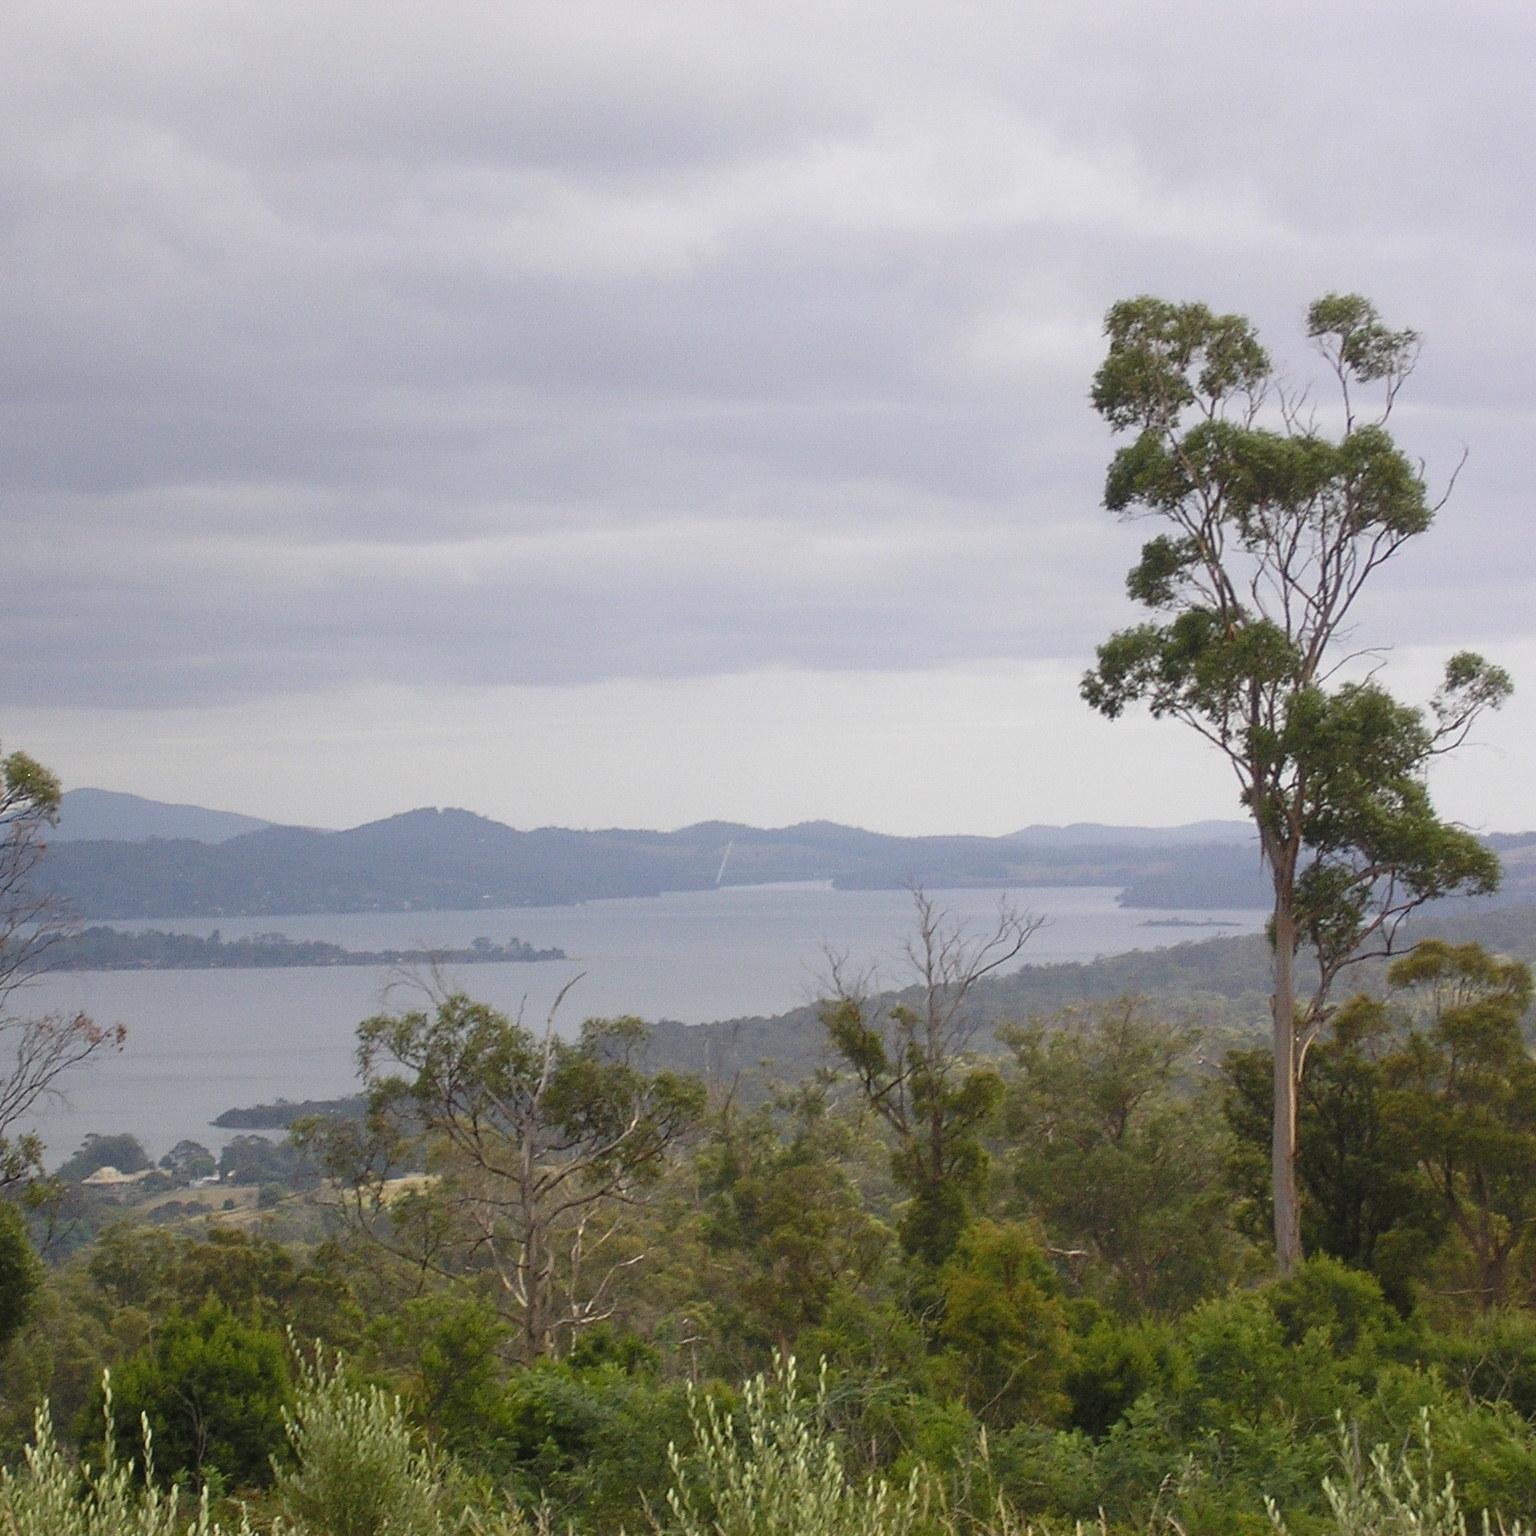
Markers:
point(778, 1473)
point(1383, 1495)
point(48, 1496)
point(357, 1470)
point(772, 1469)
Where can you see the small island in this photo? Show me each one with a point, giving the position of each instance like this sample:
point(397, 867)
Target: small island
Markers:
point(153, 949)
point(285, 1112)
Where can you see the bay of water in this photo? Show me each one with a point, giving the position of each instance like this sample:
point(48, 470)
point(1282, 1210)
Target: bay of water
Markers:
point(200, 1042)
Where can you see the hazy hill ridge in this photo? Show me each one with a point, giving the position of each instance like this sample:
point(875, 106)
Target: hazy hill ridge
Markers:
point(1221, 983)
point(454, 859)
point(93, 814)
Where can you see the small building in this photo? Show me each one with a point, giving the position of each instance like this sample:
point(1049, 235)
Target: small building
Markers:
point(108, 1180)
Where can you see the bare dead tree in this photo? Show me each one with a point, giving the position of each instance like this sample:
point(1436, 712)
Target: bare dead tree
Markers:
point(536, 1153)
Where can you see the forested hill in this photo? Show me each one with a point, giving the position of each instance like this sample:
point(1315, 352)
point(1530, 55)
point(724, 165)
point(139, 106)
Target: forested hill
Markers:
point(427, 859)
point(1223, 984)
point(91, 814)
point(442, 859)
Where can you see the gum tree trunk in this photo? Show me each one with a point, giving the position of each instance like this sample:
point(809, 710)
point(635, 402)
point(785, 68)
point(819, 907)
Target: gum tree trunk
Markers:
point(1283, 1141)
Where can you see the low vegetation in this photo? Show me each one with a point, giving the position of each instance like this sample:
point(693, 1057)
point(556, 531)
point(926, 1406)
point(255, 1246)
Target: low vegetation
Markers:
point(1066, 1320)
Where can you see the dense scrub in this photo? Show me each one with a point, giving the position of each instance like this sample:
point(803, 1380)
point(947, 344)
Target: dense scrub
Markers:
point(1081, 1328)
point(768, 1466)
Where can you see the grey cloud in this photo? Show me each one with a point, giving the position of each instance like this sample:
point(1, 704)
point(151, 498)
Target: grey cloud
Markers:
point(348, 344)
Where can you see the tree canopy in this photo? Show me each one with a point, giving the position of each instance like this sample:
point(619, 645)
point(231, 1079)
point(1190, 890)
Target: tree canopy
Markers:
point(1270, 531)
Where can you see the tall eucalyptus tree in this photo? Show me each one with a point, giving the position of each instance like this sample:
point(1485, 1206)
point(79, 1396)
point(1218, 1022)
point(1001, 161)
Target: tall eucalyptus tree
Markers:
point(1271, 529)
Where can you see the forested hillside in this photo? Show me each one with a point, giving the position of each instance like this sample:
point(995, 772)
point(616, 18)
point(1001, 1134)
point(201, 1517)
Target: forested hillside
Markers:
point(1066, 1317)
point(1220, 983)
point(452, 859)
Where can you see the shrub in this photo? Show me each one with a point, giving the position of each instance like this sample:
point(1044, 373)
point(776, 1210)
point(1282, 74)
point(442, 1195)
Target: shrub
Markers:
point(778, 1472)
point(1492, 1359)
point(212, 1390)
point(21, 1273)
point(121, 1151)
point(358, 1470)
point(1113, 1363)
point(48, 1496)
point(1383, 1495)
point(592, 1440)
point(1004, 1331)
point(1346, 1305)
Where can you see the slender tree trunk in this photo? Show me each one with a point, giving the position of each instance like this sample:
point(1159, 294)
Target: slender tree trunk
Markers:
point(1283, 1141)
point(532, 1327)
point(535, 1322)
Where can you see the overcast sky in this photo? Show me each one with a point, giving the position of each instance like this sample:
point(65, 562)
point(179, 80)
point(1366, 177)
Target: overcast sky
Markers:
point(630, 413)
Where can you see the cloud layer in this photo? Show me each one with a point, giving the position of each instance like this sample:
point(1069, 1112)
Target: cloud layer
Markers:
point(380, 346)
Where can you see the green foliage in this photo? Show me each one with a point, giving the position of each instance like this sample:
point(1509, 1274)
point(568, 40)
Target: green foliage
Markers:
point(539, 1149)
point(157, 1273)
point(590, 1441)
point(49, 1496)
point(787, 1214)
point(357, 1469)
point(20, 1274)
point(33, 1051)
point(1003, 1330)
point(1490, 1359)
point(1489, 1449)
point(58, 1356)
point(27, 789)
point(1462, 1101)
point(1120, 1157)
point(1362, 1199)
point(120, 1151)
point(1114, 1363)
point(872, 1341)
point(1271, 533)
point(778, 1473)
point(260, 1160)
point(1212, 1420)
point(937, 1107)
point(189, 1160)
point(451, 1350)
point(1397, 1495)
point(1093, 1364)
point(585, 1437)
point(1336, 773)
point(466, 1057)
point(1242, 1373)
point(1347, 1307)
point(213, 1391)
point(910, 1058)
point(115, 949)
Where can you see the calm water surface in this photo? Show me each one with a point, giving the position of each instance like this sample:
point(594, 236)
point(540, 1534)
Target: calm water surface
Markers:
point(200, 1042)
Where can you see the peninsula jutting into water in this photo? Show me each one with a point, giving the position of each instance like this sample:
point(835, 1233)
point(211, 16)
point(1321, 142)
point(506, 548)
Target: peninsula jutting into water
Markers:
point(153, 949)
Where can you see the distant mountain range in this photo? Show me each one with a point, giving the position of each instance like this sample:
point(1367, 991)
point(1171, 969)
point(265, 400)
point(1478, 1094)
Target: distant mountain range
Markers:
point(94, 814)
point(1095, 834)
point(440, 859)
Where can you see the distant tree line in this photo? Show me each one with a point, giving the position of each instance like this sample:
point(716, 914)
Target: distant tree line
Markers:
point(114, 949)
